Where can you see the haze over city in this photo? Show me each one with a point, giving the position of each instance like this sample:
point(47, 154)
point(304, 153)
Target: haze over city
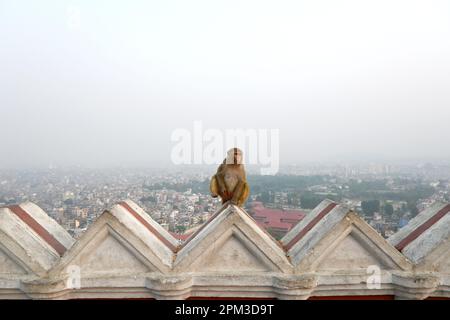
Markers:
point(224, 150)
point(102, 84)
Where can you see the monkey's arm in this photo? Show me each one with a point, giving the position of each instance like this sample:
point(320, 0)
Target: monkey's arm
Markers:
point(244, 195)
point(214, 187)
point(217, 186)
point(220, 180)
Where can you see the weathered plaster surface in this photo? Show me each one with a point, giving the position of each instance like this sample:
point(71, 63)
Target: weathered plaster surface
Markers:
point(231, 256)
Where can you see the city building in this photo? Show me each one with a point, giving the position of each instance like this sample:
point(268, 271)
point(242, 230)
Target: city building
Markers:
point(276, 221)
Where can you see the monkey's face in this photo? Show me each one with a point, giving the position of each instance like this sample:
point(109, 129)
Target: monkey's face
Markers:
point(238, 158)
point(234, 156)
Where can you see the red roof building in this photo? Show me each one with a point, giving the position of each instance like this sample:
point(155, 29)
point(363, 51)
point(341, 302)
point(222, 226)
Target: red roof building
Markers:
point(275, 220)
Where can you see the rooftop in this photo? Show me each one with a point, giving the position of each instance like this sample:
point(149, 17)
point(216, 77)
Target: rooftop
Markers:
point(274, 218)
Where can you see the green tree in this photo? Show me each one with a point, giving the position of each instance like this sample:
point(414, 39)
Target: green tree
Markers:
point(180, 229)
point(310, 200)
point(388, 209)
point(412, 207)
point(266, 197)
point(370, 207)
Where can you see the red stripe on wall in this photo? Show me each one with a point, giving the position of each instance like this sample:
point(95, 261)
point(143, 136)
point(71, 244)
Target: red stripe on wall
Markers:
point(36, 227)
point(310, 225)
point(422, 228)
point(148, 226)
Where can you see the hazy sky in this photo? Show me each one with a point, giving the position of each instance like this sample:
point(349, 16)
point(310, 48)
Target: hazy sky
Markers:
point(107, 82)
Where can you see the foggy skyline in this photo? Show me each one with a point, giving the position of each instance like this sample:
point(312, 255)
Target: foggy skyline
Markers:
point(105, 83)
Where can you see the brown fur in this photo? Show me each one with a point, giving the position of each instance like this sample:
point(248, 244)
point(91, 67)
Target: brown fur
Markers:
point(230, 181)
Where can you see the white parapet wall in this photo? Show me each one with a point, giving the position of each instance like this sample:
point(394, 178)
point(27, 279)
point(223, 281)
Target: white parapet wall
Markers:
point(126, 254)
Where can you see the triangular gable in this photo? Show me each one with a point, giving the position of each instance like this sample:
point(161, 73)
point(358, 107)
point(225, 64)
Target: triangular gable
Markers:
point(351, 251)
point(136, 211)
point(341, 240)
point(308, 232)
point(233, 251)
point(8, 264)
point(203, 226)
point(34, 238)
point(231, 242)
point(307, 223)
point(128, 246)
point(425, 234)
point(110, 253)
point(438, 260)
point(56, 231)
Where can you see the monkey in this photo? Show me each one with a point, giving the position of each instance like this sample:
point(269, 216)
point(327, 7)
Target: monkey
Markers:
point(230, 181)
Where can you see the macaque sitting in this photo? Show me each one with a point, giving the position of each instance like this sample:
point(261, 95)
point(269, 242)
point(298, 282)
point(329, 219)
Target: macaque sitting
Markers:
point(230, 181)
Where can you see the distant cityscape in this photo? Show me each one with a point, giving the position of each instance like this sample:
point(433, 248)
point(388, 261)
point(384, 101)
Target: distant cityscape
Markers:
point(387, 196)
